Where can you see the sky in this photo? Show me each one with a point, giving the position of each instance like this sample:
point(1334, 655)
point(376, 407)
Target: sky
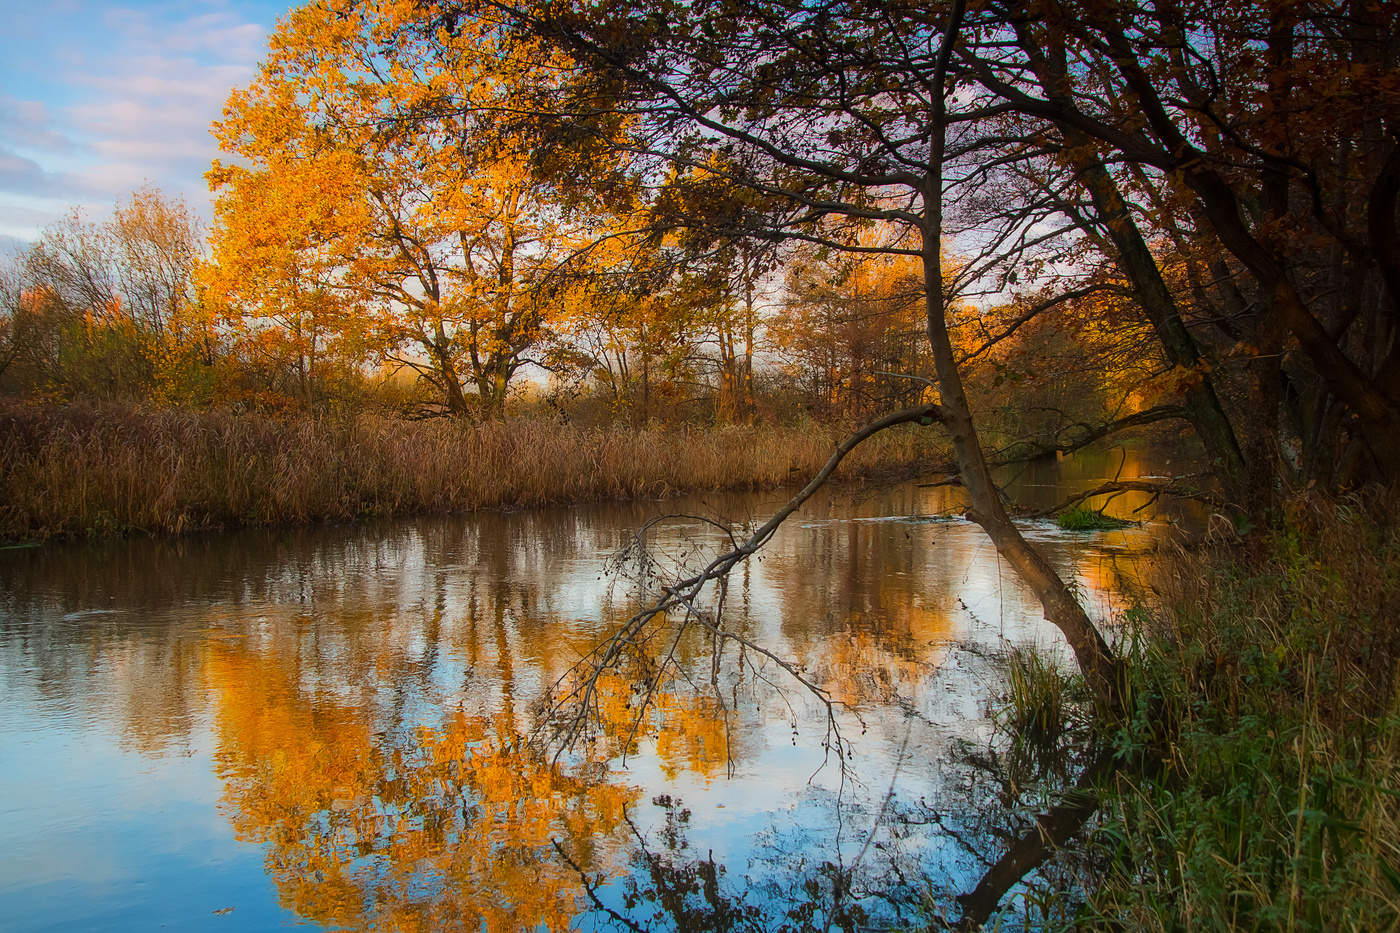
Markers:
point(98, 98)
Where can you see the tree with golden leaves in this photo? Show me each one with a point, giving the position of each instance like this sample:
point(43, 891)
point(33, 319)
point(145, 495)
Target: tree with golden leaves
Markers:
point(428, 242)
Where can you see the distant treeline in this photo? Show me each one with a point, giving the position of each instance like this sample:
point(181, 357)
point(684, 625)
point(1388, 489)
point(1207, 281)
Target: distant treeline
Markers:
point(128, 309)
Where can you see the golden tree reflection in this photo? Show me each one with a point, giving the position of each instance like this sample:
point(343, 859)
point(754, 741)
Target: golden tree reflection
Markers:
point(691, 731)
point(450, 826)
point(692, 735)
point(888, 645)
point(858, 670)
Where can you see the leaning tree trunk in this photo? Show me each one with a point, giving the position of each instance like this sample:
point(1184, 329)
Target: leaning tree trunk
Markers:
point(1062, 609)
point(1096, 659)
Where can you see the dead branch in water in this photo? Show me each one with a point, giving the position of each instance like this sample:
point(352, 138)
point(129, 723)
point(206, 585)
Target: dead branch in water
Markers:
point(576, 693)
point(1168, 486)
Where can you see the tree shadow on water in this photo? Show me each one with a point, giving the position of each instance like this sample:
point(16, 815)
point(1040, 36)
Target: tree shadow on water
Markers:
point(994, 846)
point(674, 887)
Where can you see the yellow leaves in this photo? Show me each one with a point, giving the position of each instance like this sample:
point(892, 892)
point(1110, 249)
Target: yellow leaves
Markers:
point(448, 827)
point(862, 669)
point(429, 231)
point(275, 265)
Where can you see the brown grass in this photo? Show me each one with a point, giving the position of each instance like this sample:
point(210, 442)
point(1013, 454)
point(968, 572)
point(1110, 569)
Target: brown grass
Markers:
point(80, 470)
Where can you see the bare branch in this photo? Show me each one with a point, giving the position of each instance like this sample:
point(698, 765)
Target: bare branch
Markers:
point(570, 707)
point(1158, 487)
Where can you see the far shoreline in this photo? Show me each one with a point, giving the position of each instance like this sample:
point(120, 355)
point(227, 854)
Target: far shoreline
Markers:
point(91, 473)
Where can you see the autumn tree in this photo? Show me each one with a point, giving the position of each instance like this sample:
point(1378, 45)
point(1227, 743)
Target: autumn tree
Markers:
point(271, 279)
point(157, 242)
point(726, 291)
point(432, 239)
point(12, 298)
point(1176, 143)
point(852, 331)
point(638, 347)
point(1251, 206)
point(108, 309)
point(1057, 368)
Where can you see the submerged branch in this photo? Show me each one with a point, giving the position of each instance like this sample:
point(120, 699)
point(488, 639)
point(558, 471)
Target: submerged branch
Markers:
point(1163, 487)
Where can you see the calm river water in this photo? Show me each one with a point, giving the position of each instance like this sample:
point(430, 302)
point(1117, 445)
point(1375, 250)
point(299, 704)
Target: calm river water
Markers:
point(330, 727)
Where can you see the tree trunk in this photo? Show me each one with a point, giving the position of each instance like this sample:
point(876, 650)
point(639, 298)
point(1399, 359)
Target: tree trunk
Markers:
point(452, 387)
point(1137, 263)
point(1377, 414)
point(1093, 654)
point(439, 351)
point(1095, 658)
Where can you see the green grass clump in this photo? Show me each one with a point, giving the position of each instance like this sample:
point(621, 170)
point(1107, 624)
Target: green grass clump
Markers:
point(1043, 710)
point(1083, 518)
point(1267, 713)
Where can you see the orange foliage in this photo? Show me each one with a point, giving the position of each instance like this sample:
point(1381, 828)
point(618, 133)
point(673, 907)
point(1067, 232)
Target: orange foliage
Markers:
point(451, 827)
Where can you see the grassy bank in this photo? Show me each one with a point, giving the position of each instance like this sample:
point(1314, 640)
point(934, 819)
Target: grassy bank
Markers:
point(1266, 692)
point(76, 471)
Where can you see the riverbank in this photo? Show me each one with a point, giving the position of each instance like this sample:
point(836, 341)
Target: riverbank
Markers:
point(1259, 775)
point(1267, 688)
point(82, 471)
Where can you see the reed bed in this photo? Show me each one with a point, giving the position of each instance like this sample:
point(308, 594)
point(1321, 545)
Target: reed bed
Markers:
point(83, 471)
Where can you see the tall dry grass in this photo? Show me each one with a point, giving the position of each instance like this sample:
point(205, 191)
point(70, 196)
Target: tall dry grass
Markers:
point(80, 470)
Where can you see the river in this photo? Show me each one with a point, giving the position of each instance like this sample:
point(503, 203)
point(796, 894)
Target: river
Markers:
point(334, 726)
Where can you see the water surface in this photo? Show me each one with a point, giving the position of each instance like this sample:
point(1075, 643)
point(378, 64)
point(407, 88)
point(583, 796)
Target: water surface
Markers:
point(331, 727)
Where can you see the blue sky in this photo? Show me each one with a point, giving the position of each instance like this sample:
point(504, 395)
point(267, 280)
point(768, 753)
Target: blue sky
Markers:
point(98, 98)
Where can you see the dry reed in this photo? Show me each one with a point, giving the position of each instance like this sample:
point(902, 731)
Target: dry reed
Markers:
point(75, 471)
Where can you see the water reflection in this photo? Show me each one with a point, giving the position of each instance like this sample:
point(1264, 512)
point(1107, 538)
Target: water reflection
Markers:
point(334, 726)
point(448, 826)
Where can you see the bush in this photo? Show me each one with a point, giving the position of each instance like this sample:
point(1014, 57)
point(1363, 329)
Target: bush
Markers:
point(1265, 688)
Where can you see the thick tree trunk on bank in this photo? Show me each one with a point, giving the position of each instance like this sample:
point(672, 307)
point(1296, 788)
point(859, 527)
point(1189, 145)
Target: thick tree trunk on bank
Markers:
point(1377, 414)
point(452, 386)
point(1139, 266)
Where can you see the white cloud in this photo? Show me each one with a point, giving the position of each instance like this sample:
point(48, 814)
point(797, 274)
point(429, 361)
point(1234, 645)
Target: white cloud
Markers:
point(124, 99)
point(152, 103)
point(18, 215)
